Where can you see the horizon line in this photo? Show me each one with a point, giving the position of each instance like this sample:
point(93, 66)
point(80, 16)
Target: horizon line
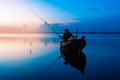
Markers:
point(63, 33)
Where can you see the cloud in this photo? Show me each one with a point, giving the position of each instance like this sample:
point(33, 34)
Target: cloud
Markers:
point(93, 9)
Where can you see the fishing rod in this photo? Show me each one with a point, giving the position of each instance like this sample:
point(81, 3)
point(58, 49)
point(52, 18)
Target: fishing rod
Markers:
point(43, 21)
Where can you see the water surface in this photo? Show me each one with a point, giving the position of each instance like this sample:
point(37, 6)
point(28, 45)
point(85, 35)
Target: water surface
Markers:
point(27, 57)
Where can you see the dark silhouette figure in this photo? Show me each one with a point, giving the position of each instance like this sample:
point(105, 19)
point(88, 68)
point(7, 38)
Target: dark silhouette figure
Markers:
point(73, 54)
point(67, 35)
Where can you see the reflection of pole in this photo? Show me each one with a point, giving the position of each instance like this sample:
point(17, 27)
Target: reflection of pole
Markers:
point(82, 40)
point(30, 47)
point(45, 72)
point(76, 32)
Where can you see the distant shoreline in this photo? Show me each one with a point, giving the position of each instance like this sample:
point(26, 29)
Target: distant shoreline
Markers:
point(62, 33)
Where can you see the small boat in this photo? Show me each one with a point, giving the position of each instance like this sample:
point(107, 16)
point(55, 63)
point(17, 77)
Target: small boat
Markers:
point(72, 53)
point(73, 46)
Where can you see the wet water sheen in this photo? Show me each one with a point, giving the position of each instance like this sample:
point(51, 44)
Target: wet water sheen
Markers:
point(35, 57)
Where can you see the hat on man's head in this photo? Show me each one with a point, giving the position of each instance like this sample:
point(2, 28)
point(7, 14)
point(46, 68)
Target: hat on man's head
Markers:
point(66, 29)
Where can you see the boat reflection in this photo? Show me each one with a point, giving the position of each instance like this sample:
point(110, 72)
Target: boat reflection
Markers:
point(78, 62)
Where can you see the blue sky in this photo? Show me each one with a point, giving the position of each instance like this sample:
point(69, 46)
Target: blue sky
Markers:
point(92, 15)
point(79, 9)
point(87, 9)
point(16, 13)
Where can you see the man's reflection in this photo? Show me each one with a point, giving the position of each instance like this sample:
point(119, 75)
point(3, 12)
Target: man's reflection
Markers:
point(78, 62)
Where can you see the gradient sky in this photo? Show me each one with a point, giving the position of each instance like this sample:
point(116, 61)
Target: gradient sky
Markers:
point(16, 13)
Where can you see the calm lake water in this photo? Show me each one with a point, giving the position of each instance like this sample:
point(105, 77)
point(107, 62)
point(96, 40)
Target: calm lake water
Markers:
point(29, 57)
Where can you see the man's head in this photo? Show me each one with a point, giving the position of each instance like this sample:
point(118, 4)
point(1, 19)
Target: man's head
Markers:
point(66, 29)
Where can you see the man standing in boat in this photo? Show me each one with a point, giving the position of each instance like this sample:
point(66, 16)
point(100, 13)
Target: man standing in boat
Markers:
point(67, 35)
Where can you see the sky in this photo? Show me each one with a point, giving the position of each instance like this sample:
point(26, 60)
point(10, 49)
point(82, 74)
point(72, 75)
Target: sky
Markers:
point(16, 12)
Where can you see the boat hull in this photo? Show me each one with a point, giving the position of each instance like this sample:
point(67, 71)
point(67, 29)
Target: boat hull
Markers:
point(74, 46)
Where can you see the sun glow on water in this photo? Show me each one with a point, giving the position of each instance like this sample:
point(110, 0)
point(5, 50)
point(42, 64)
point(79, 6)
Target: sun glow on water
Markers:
point(19, 48)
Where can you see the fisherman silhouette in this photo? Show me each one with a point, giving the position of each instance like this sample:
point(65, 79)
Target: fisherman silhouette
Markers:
point(67, 35)
point(73, 55)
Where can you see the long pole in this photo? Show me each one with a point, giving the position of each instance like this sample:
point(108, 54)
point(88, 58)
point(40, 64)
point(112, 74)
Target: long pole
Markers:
point(76, 32)
point(43, 21)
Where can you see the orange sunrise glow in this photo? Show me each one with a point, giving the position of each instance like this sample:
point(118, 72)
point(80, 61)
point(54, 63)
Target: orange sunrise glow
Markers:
point(15, 16)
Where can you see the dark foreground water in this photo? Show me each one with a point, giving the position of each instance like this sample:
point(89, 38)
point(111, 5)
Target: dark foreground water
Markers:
point(32, 57)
